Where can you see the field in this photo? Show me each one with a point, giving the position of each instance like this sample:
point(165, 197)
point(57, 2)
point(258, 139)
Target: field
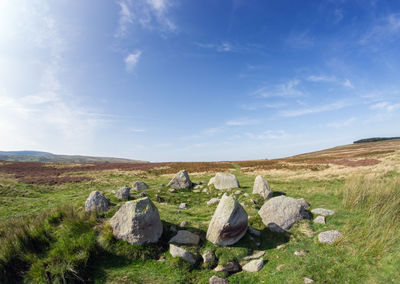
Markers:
point(46, 237)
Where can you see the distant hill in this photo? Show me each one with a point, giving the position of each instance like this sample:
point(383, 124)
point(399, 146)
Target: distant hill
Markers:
point(37, 156)
point(375, 139)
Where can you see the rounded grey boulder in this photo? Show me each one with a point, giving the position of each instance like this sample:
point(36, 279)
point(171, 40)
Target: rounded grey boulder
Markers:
point(229, 222)
point(224, 181)
point(181, 180)
point(137, 222)
point(140, 185)
point(280, 213)
point(262, 188)
point(96, 202)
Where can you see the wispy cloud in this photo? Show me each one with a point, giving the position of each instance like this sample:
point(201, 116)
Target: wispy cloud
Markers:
point(269, 134)
point(262, 106)
point(386, 106)
point(242, 122)
point(341, 124)
point(317, 109)
point(384, 29)
point(223, 46)
point(288, 89)
point(300, 40)
point(132, 59)
point(330, 79)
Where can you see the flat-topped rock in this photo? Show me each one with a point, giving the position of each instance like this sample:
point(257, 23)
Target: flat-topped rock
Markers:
point(208, 256)
point(181, 180)
point(322, 211)
point(255, 255)
point(319, 220)
point(261, 187)
point(224, 181)
point(329, 236)
point(254, 265)
point(176, 251)
point(185, 238)
point(96, 202)
point(140, 185)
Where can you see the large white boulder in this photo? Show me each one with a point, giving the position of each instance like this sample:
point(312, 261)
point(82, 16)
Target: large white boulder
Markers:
point(181, 180)
point(229, 222)
point(96, 202)
point(224, 181)
point(262, 188)
point(137, 222)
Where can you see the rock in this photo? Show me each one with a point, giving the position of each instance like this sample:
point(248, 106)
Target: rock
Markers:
point(281, 246)
point(253, 201)
point(211, 182)
point(123, 193)
point(96, 202)
point(142, 194)
point(213, 201)
point(322, 211)
point(242, 204)
point(185, 238)
point(230, 267)
point(329, 236)
point(280, 267)
point(254, 265)
point(159, 199)
point(176, 251)
point(238, 192)
point(137, 222)
point(161, 259)
point(320, 220)
point(172, 190)
point(173, 229)
point(208, 256)
point(280, 213)
point(301, 252)
point(181, 180)
point(229, 222)
point(262, 188)
point(225, 181)
point(308, 280)
point(197, 187)
point(254, 231)
point(179, 211)
point(183, 206)
point(205, 190)
point(196, 190)
point(216, 280)
point(255, 255)
point(246, 194)
point(303, 202)
point(140, 185)
point(203, 182)
point(183, 224)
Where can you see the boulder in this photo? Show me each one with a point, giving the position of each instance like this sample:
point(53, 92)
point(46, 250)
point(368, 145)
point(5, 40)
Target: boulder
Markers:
point(185, 238)
point(176, 251)
point(181, 180)
point(137, 222)
point(208, 256)
point(280, 213)
point(123, 193)
point(96, 202)
point(140, 185)
point(303, 202)
point(320, 220)
point(211, 182)
point(229, 222)
point(213, 201)
point(217, 280)
point(329, 236)
point(225, 181)
point(255, 255)
point(262, 188)
point(254, 265)
point(322, 211)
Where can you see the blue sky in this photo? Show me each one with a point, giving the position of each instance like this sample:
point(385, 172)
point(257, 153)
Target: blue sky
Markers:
point(174, 80)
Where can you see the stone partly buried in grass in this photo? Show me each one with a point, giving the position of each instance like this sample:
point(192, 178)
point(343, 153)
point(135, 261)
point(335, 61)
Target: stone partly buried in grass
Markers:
point(140, 185)
point(176, 251)
point(280, 213)
point(229, 222)
point(137, 222)
point(262, 188)
point(181, 180)
point(224, 181)
point(96, 202)
point(123, 193)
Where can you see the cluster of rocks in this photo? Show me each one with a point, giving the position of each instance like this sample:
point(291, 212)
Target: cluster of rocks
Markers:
point(138, 221)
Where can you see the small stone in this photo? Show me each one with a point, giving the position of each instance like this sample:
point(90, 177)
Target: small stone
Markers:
point(179, 211)
point(246, 194)
point(262, 188)
point(217, 280)
point(213, 201)
point(254, 231)
point(238, 192)
point(205, 190)
point(172, 190)
point(142, 194)
point(242, 203)
point(329, 236)
point(254, 265)
point(173, 229)
point(176, 251)
point(183, 206)
point(322, 211)
point(140, 185)
point(197, 187)
point(301, 252)
point(208, 257)
point(196, 191)
point(281, 246)
point(183, 224)
point(255, 255)
point(203, 182)
point(320, 220)
point(308, 280)
point(162, 258)
point(185, 238)
point(219, 268)
point(158, 198)
point(280, 267)
point(253, 201)
point(230, 267)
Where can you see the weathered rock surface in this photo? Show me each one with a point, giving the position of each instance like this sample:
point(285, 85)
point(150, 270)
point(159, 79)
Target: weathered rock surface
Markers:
point(96, 202)
point(140, 185)
point(308, 280)
point(213, 201)
point(183, 206)
point(255, 255)
point(181, 180)
point(137, 222)
point(212, 180)
point(262, 188)
point(320, 220)
point(176, 251)
point(329, 236)
point(230, 267)
point(280, 213)
point(208, 256)
point(123, 193)
point(303, 202)
point(301, 252)
point(322, 211)
point(254, 232)
point(229, 222)
point(185, 238)
point(254, 265)
point(225, 181)
point(183, 224)
point(217, 280)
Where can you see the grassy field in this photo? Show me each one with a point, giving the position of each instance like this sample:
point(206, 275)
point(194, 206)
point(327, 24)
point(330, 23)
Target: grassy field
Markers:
point(46, 237)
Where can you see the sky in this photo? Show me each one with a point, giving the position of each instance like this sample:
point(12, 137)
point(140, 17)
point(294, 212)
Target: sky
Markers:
point(205, 80)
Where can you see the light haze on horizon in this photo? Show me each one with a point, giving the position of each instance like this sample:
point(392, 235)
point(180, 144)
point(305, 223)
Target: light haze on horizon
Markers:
point(173, 80)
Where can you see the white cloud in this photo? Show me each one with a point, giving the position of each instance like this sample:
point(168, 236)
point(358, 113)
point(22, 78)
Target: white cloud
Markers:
point(288, 89)
point(241, 122)
point(223, 46)
point(132, 59)
point(386, 106)
point(321, 78)
point(387, 28)
point(269, 134)
point(341, 124)
point(348, 84)
point(317, 109)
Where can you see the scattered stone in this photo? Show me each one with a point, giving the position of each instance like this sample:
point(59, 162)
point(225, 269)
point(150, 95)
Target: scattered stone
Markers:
point(183, 224)
point(185, 238)
point(112, 191)
point(211, 182)
point(230, 267)
point(262, 188)
point(96, 202)
point(329, 236)
point(308, 280)
point(217, 280)
point(162, 258)
point(183, 206)
point(159, 199)
point(123, 193)
point(280, 213)
point(246, 194)
point(176, 251)
point(205, 190)
point(322, 211)
point(196, 190)
point(137, 222)
point(203, 182)
point(140, 185)
point(280, 267)
point(208, 256)
point(142, 194)
point(320, 220)
point(281, 246)
point(229, 222)
point(253, 201)
point(254, 265)
point(213, 201)
point(254, 232)
point(301, 252)
point(181, 180)
point(255, 255)
point(225, 181)
point(197, 187)
point(238, 192)
point(172, 190)
point(303, 202)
